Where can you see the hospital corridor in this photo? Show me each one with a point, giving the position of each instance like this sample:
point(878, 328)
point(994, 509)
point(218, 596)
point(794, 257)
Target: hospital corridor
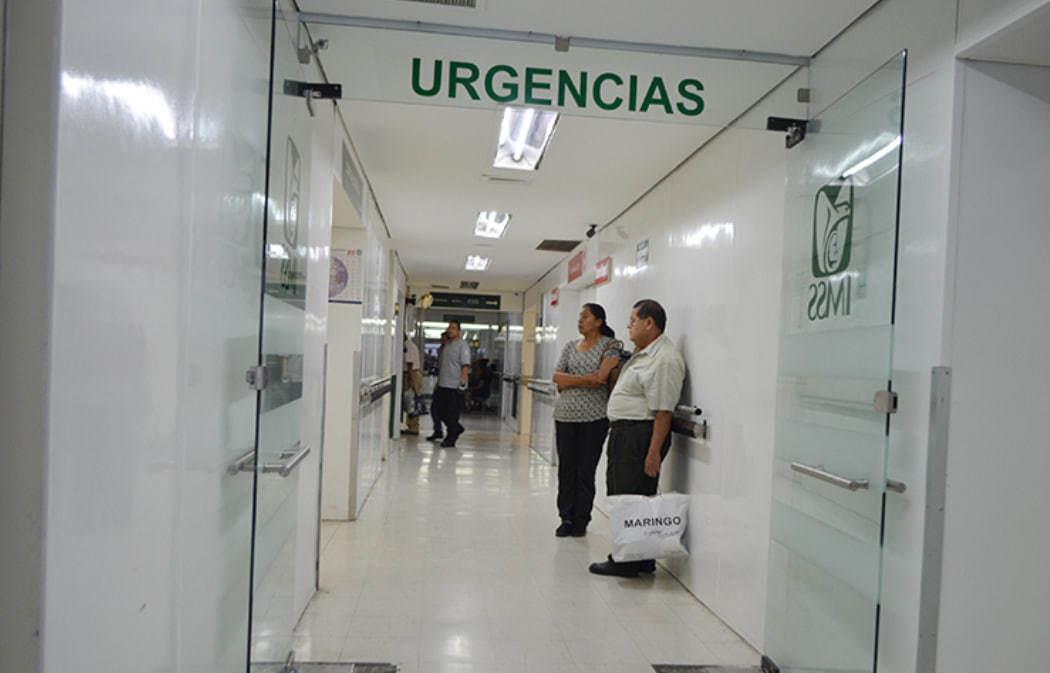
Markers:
point(507, 336)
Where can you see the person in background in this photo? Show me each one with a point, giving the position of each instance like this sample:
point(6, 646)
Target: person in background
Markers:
point(435, 416)
point(640, 408)
point(414, 383)
point(480, 384)
point(579, 416)
point(453, 374)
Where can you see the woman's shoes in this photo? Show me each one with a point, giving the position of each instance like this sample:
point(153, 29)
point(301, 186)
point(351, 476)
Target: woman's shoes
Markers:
point(566, 529)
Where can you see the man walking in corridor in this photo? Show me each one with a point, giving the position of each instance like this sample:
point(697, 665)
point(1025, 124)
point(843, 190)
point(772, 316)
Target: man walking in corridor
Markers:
point(639, 411)
point(453, 372)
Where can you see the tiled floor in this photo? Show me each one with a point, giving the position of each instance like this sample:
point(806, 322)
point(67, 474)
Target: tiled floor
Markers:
point(454, 567)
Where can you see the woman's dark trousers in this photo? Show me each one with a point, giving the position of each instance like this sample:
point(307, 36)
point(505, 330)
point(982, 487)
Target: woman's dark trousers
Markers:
point(579, 450)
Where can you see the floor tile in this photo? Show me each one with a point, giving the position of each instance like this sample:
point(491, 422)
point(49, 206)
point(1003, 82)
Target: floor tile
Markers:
point(453, 567)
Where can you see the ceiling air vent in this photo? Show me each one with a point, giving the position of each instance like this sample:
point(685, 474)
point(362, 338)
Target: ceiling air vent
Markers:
point(505, 179)
point(472, 4)
point(551, 245)
point(441, 287)
point(469, 284)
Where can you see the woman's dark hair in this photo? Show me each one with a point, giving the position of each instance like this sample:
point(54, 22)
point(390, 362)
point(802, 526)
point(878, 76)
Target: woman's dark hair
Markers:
point(599, 313)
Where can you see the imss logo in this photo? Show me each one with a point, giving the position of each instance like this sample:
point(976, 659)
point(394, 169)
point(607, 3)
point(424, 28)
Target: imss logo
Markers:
point(831, 291)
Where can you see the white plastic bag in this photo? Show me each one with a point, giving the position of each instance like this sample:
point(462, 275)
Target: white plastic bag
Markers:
point(645, 527)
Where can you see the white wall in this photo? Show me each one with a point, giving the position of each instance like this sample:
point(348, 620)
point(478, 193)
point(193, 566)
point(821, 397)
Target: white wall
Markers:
point(997, 518)
point(556, 327)
point(357, 436)
point(376, 341)
point(927, 30)
point(27, 223)
point(144, 251)
point(715, 243)
point(319, 240)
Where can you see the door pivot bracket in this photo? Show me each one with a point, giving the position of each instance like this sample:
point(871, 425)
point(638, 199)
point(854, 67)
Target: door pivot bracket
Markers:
point(313, 90)
point(256, 377)
point(795, 128)
point(885, 402)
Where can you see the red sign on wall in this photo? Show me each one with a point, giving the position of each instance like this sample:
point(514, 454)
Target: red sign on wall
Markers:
point(603, 271)
point(554, 297)
point(576, 265)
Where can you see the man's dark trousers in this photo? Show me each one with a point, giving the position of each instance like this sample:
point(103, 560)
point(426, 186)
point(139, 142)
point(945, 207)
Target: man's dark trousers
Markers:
point(449, 402)
point(435, 414)
point(625, 472)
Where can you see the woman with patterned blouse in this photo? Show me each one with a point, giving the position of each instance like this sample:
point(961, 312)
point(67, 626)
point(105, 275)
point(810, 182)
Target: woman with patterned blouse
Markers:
point(579, 416)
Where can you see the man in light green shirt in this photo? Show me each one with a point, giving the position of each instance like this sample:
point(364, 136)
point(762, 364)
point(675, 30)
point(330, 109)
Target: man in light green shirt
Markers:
point(639, 411)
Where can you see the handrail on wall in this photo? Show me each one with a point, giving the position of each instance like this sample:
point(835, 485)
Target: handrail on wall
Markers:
point(375, 389)
point(542, 386)
point(685, 421)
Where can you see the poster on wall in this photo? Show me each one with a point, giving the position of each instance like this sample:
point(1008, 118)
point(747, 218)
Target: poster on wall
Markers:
point(603, 271)
point(576, 265)
point(346, 276)
point(641, 254)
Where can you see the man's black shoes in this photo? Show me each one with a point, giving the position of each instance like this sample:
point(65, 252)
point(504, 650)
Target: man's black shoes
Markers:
point(564, 530)
point(435, 437)
point(614, 569)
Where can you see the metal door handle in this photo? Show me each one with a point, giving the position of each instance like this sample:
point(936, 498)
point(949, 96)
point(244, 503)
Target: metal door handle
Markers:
point(834, 479)
point(290, 459)
point(244, 463)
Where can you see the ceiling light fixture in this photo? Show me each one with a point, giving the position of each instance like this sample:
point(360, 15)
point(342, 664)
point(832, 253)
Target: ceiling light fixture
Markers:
point(491, 224)
point(477, 263)
point(524, 136)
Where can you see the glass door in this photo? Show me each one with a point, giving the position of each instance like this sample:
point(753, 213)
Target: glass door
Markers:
point(835, 400)
point(279, 447)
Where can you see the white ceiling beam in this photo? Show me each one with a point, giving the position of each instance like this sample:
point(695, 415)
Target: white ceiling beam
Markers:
point(549, 38)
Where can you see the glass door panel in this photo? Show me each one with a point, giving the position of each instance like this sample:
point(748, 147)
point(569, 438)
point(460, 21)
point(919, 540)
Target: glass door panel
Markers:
point(836, 348)
point(279, 449)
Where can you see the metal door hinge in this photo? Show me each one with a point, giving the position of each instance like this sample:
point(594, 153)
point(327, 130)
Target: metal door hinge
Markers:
point(257, 377)
point(795, 129)
point(313, 90)
point(886, 402)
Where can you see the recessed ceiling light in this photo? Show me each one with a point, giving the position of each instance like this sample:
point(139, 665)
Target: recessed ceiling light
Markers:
point(523, 137)
point(477, 263)
point(491, 224)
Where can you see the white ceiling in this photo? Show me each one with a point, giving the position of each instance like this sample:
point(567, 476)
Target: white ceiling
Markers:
point(1024, 41)
point(798, 27)
point(426, 165)
point(426, 162)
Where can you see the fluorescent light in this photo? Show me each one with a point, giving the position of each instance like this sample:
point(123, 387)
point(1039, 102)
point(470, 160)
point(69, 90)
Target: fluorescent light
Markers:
point(859, 166)
point(524, 136)
point(477, 263)
point(491, 224)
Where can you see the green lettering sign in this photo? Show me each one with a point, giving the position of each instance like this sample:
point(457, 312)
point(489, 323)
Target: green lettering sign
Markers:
point(532, 85)
point(504, 84)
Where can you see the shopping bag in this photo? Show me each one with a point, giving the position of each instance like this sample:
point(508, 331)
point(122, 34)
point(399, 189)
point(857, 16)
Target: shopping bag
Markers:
point(645, 527)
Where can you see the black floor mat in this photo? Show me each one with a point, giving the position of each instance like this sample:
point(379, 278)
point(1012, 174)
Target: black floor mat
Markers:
point(669, 668)
point(344, 667)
